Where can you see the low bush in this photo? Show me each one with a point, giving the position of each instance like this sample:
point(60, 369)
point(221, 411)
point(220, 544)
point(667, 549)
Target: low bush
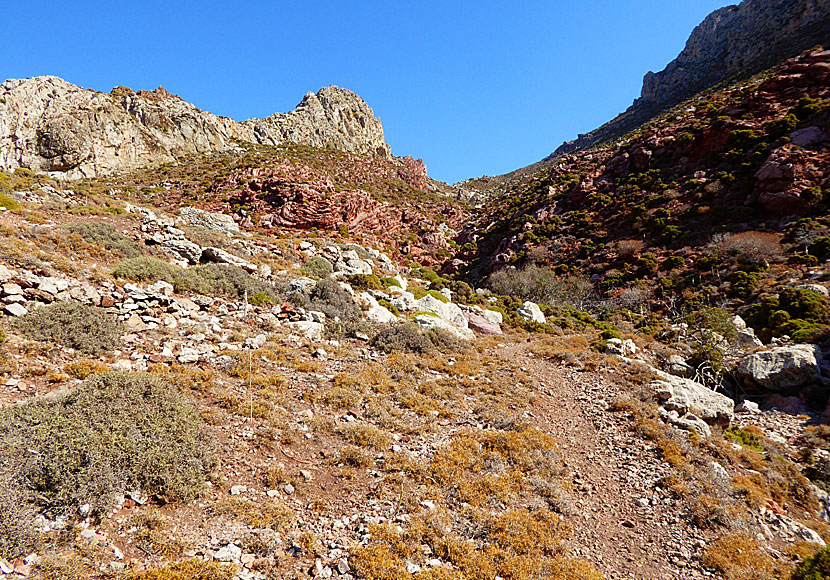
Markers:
point(107, 236)
point(815, 567)
point(87, 329)
point(17, 531)
point(146, 269)
point(318, 267)
point(330, 298)
point(539, 284)
point(116, 433)
point(210, 279)
point(402, 338)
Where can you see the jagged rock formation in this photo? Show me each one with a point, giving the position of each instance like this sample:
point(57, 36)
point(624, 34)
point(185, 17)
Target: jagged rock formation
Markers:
point(50, 125)
point(734, 41)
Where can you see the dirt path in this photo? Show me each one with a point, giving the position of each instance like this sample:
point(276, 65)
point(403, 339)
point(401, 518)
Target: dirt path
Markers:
point(623, 522)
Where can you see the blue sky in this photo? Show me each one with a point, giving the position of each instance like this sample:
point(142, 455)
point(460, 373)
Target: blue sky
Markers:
point(473, 88)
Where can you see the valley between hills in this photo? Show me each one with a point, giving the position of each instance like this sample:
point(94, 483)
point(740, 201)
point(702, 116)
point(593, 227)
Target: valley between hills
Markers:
point(272, 349)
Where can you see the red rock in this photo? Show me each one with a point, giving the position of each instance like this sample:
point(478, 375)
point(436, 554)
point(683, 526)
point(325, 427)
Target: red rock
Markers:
point(481, 325)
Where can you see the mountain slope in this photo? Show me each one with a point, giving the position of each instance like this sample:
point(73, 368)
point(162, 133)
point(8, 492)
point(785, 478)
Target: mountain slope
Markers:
point(725, 45)
point(719, 200)
point(49, 125)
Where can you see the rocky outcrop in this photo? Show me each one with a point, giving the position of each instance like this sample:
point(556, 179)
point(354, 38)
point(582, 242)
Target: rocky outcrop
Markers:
point(734, 41)
point(52, 126)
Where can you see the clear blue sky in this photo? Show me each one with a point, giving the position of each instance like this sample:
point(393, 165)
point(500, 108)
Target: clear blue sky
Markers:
point(471, 87)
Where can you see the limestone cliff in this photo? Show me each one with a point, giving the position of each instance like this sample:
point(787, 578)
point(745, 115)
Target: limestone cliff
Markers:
point(734, 41)
point(50, 125)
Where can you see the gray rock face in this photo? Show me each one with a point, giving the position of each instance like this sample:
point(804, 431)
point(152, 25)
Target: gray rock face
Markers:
point(733, 41)
point(782, 368)
point(51, 126)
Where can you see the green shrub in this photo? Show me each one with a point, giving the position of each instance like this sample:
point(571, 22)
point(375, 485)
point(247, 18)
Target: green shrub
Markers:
point(318, 267)
point(8, 202)
point(88, 329)
point(330, 298)
point(260, 299)
point(781, 127)
point(438, 296)
point(820, 248)
point(362, 282)
point(798, 312)
point(815, 567)
point(390, 307)
point(116, 433)
point(107, 236)
point(402, 338)
point(389, 281)
point(229, 281)
point(146, 269)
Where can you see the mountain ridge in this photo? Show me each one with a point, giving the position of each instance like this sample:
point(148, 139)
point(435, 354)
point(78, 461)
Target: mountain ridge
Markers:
point(52, 126)
point(721, 47)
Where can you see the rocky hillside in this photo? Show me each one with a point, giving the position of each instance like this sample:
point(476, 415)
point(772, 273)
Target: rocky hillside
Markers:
point(49, 125)
point(724, 46)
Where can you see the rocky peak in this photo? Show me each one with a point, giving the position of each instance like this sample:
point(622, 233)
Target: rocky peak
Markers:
point(52, 126)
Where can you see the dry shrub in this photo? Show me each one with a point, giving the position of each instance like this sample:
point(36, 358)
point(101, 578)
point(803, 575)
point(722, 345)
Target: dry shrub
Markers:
point(402, 338)
point(17, 532)
point(194, 569)
point(85, 368)
point(741, 557)
point(750, 247)
point(87, 329)
point(272, 514)
point(628, 248)
point(107, 236)
point(542, 285)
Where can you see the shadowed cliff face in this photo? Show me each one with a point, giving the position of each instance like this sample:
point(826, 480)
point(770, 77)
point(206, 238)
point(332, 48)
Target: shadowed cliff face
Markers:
point(49, 125)
point(734, 41)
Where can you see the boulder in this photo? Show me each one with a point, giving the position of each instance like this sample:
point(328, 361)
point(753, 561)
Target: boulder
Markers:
point(353, 266)
point(304, 285)
point(401, 299)
point(222, 257)
point(374, 311)
point(16, 309)
point(215, 222)
point(782, 368)
point(307, 328)
point(446, 310)
point(482, 325)
point(531, 311)
point(492, 316)
point(677, 366)
point(685, 396)
point(183, 249)
point(623, 347)
point(428, 322)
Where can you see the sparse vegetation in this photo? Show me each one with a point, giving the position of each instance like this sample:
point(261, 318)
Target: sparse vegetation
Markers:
point(87, 329)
